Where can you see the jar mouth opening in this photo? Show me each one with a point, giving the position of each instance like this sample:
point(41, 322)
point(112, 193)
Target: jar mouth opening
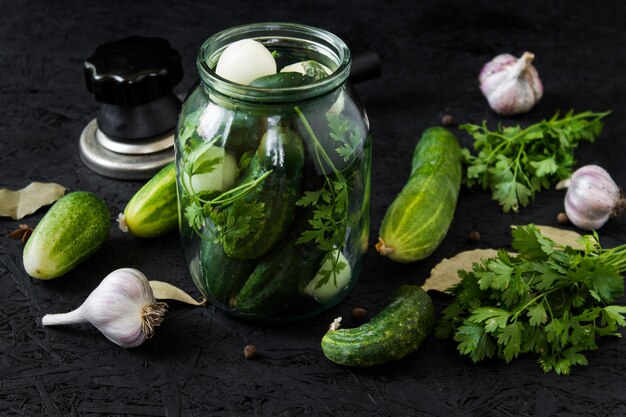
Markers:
point(321, 42)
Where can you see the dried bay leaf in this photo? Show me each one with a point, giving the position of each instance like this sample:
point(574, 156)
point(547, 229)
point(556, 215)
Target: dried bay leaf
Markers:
point(164, 291)
point(444, 275)
point(20, 203)
point(563, 237)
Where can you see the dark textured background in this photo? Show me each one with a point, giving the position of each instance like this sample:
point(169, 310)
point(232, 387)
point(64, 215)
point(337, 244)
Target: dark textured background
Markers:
point(432, 52)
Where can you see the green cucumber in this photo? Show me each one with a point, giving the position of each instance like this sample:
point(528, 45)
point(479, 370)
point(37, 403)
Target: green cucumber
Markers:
point(153, 210)
point(398, 330)
point(419, 218)
point(280, 278)
point(281, 154)
point(221, 277)
point(74, 228)
point(283, 80)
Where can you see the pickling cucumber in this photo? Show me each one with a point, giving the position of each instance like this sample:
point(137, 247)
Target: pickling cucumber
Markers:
point(419, 217)
point(281, 152)
point(221, 277)
point(153, 211)
point(282, 275)
point(75, 227)
point(283, 80)
point(398, 330)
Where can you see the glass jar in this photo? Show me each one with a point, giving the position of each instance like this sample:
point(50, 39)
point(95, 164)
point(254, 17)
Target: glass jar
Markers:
point(274, 181)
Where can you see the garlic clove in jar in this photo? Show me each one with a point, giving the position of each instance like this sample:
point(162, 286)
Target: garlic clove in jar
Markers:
point(511, 86)
point(122, 307)
point(244, 61)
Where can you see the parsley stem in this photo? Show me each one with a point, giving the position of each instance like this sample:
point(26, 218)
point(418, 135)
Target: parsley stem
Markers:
point(318, 146)
point(230, 196)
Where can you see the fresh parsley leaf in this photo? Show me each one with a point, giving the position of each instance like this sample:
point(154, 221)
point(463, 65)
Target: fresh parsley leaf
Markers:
point(515, 163)
point(549, 301)
point(330, 203)
point(237, 221)
point(194, 214)
point(343, 132)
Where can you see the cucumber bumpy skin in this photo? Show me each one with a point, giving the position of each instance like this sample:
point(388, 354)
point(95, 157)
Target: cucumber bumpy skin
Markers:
point(281, 152)
point(398, 330)
point(419, 217)
point(153, 210)
point(72, 230)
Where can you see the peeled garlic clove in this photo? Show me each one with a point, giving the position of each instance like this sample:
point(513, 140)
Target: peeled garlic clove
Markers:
point(122, 307)
point(592, 198)
point(244, 61)
point(511, 86)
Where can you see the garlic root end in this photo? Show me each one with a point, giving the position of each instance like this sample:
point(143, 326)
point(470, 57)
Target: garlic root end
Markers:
point(152, 316)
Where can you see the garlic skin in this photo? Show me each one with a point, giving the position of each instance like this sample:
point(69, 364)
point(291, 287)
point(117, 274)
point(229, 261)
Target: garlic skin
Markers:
point(511, 86)
point(592, 197)
point(122, 307)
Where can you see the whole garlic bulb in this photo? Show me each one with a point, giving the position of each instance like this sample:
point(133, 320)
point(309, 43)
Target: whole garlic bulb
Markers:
point(122, 307)
point(512, 86)
point(592, 197)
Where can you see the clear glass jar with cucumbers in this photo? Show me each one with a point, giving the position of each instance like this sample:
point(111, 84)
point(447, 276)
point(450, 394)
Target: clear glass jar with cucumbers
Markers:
point(273, 156)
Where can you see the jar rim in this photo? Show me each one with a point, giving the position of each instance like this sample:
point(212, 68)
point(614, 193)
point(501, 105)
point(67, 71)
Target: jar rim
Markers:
point(323, 40)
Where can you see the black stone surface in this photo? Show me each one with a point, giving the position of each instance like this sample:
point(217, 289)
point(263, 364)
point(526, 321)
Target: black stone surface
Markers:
point(194, 366)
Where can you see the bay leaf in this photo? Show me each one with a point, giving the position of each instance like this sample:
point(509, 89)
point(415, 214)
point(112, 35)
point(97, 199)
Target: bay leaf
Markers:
point(20, 203)
point(444, 275)
point(164, 291)
point(563, 237)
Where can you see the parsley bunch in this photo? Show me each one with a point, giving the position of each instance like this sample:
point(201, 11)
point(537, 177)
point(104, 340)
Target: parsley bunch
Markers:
point(549, 300)
point(516, 163)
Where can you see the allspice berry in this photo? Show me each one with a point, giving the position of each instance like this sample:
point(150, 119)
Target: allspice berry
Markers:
point(358, 313)
point(249, 351)
point(473, 236)
point(447, 120)
point(562, 218)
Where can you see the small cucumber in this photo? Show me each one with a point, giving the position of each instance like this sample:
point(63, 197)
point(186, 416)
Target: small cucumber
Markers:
point(73, 229)
point(283, 80)
point(153, 211)
point(398, 330)
point(281, 152)
point(281, 276)
point(221, 277)
point(419, 218)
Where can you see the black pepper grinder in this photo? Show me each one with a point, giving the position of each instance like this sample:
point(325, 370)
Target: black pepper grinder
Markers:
point(132, 136)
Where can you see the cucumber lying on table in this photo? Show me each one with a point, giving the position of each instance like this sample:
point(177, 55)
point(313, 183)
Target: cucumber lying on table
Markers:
point(153, 210)
point(74, 228)
point(398, 330)
point(419, 217)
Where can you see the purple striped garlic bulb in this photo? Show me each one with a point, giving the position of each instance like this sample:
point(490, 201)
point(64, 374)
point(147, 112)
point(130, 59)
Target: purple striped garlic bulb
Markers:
point(122, 307)
point(512, 86)
point(592, 197)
